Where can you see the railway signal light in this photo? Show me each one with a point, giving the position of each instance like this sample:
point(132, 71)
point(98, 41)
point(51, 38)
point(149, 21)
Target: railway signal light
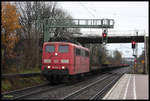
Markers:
point(104, 36)
point(133, 44)
point(135, 60)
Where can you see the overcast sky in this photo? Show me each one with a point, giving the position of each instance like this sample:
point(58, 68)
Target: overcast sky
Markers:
point(128, 16)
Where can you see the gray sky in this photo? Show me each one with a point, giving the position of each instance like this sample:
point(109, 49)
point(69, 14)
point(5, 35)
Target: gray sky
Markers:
point(128, 16)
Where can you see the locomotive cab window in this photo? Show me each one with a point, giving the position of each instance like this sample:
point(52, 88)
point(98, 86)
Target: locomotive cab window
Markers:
point(50, 48)
point(78, 52)
point(86, 53)
point(82, 52)
point(63, 49)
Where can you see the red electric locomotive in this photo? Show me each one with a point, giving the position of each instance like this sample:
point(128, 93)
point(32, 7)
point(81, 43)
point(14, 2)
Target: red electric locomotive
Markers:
point(61, 59)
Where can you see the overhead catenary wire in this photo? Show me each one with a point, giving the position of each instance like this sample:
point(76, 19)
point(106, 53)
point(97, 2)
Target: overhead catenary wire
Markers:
point(86, 9)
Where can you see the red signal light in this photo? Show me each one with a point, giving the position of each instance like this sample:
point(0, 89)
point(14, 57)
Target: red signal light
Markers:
point(135, 60)
point(133, 42)
point(104, 34)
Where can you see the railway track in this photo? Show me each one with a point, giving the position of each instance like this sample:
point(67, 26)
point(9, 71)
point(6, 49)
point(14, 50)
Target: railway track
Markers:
point(83, 88)
point(52, 93)
point(102, 92)
point(100, 87)
point(29, 91)
point(21, 93)
point(4, 76)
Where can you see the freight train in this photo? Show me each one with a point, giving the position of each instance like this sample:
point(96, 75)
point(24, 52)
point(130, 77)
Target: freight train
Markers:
point(65, 59)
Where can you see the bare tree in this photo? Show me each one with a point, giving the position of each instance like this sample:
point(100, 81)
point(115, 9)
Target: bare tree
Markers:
point(98, 54)
point(33, 15)
point(117, 57)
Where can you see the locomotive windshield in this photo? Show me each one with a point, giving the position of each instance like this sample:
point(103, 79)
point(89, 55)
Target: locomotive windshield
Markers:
point(50, 48)
point(63, 49)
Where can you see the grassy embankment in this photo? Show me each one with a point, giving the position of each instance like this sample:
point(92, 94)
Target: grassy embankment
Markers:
point(18, 83)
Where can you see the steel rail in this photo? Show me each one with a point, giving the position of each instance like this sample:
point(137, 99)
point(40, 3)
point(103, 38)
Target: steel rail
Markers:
point(82, 89)
point(102, 91)
point(43, 90)
point(69, 96)
point(35, 92)
point(23, 89)
point(20, 75)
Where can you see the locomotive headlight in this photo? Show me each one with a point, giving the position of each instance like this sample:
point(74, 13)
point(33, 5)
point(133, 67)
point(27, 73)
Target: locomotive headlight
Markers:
point(47, 60)
point(56, 54)
point(63, 67)
point(64, 61)
point(49, 66)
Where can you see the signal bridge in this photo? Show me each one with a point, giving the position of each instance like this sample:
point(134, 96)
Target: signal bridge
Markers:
point(112, 37)
point(112, 33)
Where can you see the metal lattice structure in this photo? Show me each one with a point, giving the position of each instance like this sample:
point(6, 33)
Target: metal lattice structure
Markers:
point(48, 24)
point(80, 23)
